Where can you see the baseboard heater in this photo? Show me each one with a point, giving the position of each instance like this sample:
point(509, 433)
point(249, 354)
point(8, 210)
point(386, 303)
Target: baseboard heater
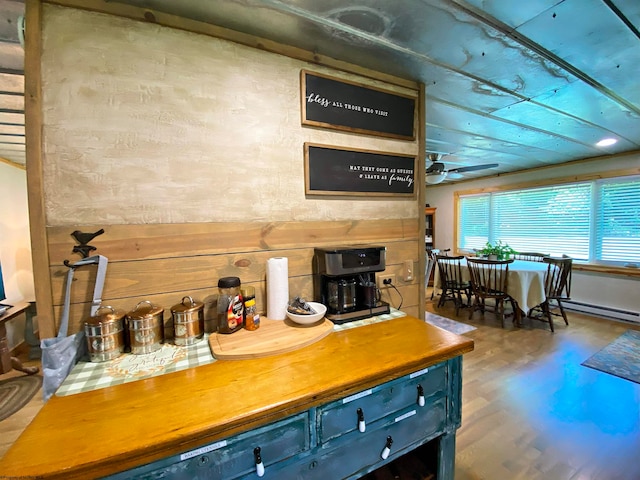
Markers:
point(601, 311)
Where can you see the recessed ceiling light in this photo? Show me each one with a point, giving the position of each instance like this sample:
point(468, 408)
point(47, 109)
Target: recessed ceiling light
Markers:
point(605, 142)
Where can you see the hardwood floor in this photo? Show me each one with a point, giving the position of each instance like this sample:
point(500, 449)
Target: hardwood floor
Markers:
point(530, 410)
point(12, 427)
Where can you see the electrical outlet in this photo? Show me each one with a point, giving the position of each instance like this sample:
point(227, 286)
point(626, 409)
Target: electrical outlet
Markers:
point(385, 276)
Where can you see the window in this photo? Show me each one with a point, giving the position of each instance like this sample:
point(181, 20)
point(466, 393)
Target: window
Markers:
point(596, 221)
point(617, 235)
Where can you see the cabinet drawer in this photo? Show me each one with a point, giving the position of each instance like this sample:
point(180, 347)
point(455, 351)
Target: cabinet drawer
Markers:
point(361, 453)
point(234, 457)
point(340, 417)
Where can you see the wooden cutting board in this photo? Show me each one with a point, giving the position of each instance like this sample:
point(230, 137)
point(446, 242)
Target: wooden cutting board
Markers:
point(273, 336)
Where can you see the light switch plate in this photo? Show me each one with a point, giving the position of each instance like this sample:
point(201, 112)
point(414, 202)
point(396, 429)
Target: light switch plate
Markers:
point(408, 271)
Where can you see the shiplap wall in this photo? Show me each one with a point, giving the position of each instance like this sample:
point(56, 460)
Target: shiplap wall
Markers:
point(188, 151)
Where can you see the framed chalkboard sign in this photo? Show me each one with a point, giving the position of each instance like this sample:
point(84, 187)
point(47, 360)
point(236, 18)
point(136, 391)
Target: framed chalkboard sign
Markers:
point(338, 171)
point(341, 105)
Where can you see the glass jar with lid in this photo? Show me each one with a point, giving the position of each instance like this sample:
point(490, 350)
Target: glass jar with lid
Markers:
point(230, 305)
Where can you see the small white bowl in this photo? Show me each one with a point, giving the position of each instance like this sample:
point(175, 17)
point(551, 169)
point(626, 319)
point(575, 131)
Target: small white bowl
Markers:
point(311, 318)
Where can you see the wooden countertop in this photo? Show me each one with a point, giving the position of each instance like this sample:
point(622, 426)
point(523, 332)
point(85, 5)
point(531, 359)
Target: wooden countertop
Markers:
point(104, 431)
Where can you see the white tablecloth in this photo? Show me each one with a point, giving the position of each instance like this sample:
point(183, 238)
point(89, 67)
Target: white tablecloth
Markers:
point(525, 283)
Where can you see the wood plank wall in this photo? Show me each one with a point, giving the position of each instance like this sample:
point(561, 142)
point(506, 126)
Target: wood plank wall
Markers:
point(164, 263)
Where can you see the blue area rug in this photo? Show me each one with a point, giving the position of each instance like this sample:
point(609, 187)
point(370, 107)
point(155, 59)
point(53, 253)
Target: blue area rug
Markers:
point(620, 358)
point(448, 324)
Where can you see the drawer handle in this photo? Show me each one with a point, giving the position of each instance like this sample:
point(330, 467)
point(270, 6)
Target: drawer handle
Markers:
point(259, 464)
point(362, 426)
point(421, 401)
point(387, 448)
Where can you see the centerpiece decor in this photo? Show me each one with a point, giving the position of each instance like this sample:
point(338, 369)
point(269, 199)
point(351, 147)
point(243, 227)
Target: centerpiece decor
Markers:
point(496, 251)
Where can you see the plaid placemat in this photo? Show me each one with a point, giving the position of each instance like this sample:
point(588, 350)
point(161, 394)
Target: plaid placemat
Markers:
point(87, 376)
point(393, 313)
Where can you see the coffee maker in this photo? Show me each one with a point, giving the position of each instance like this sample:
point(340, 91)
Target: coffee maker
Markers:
point(344, 280)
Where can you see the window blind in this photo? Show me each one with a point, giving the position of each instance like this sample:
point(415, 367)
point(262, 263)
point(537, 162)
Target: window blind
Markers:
point(553, 220)
point(618, 221)
point(473, 221)
point(595, 221)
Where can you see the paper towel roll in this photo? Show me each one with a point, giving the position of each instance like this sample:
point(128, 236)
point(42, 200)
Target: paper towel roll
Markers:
point(277, 288)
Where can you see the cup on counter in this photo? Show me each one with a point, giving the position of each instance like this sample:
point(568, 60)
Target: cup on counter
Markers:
point(369, 293)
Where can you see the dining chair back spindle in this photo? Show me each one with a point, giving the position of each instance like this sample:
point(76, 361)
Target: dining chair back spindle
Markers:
point(529, 256)
point(489, 280)
point(451, 281)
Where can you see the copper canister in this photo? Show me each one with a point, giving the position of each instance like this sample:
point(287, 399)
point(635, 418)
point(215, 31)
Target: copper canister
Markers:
point(105, 334)
point(146, 328)
point(188, 321)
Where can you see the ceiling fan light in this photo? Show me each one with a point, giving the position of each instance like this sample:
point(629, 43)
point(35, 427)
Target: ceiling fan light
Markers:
point(434, 178)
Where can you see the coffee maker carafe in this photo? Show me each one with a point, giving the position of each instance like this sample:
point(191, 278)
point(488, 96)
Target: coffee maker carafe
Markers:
point(344, 281)
point(341, 294)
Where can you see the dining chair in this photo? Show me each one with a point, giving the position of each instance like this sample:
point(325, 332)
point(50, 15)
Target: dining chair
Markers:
point(557, 287)
point(451, 281)
point(430, 263)
point(529, 256)
point(489, 280)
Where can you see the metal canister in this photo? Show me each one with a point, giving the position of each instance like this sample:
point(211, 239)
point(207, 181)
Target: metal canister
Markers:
point(188, 321)
point(146, 328)
point(105, 334)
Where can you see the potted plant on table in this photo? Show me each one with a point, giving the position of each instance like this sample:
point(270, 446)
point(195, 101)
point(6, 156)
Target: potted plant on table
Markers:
point(497, 251)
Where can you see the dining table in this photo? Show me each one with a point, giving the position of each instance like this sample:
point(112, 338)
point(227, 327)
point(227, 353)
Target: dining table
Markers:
point(525, 283)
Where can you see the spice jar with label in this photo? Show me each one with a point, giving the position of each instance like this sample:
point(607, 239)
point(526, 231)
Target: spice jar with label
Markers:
point(251, 315)
point(230, 305)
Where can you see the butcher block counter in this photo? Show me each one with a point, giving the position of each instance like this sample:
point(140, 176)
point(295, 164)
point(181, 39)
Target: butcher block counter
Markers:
point(315, 413)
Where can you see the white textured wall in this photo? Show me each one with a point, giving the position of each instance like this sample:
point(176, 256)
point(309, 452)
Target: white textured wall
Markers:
point(146, 124)
point(15, 240)
point(15, 244)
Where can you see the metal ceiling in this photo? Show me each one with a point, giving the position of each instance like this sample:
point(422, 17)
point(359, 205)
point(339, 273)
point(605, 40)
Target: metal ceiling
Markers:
point(520, 84)
point(11, 84)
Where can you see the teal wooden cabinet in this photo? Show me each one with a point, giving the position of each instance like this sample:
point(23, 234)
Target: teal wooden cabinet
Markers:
point(341, 417)
point(233, 457)
point(343, 439)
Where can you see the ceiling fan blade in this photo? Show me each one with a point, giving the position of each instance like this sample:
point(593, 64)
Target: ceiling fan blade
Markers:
point(473, 168)
point(455, 175)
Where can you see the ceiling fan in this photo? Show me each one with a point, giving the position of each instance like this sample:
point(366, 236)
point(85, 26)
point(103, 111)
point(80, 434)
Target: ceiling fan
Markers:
point(436, 172)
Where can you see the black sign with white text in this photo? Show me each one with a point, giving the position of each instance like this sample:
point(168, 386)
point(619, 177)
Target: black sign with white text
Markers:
point(331, 170)
point(341, 105)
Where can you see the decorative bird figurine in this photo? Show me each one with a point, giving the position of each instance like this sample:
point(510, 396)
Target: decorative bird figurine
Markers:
point(85, 238)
